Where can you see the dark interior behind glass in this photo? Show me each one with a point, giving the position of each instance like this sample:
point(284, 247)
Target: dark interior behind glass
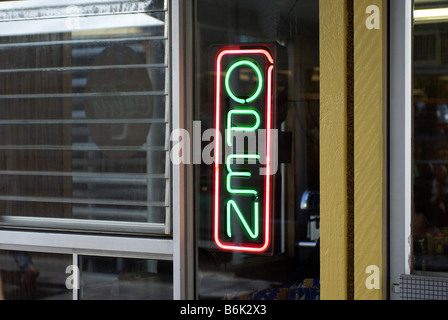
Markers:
point(292, 26)
point(430, 143)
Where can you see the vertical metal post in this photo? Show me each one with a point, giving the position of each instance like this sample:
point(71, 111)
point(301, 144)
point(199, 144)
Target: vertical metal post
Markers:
point(76, 279)
point(400, 144)
point(182, 174)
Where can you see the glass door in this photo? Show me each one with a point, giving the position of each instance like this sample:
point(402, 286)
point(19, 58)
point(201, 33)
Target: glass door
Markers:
point(257, 156)
point(430, 120)
point(418, 229)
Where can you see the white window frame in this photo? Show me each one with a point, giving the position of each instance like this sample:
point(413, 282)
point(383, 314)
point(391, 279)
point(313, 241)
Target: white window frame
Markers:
point(400, 142)
point(180, 248)
point(182, 174)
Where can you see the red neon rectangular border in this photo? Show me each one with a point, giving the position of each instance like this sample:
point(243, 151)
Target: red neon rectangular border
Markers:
point(267, 208)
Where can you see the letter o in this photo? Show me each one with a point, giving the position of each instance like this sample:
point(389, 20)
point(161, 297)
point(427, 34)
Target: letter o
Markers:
point(257, 70)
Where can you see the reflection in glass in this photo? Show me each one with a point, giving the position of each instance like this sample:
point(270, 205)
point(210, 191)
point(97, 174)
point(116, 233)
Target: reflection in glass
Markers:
point(83, 114)
point(290, 268)
point(34, 276)
point(104, 278)
point(430, 171)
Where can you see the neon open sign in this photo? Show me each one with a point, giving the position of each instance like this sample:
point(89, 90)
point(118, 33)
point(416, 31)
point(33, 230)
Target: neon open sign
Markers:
point(243, 186)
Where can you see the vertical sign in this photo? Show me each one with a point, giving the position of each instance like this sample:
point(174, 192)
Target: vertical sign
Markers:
point(244, 118)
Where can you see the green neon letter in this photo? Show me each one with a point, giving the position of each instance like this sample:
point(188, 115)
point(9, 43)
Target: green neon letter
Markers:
point(257, 70)
point(252, 234)
point(231, 128)
point(232, 173)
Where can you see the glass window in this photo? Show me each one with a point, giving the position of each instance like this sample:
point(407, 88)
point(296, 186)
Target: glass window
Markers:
point(110, 278)
point(430, 169)
point(257, 105)
point(84, 115)
point(42, 276)
point(34, 276)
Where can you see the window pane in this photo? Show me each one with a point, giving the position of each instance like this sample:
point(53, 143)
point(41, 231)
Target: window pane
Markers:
point(29, 275)
point(83, 122)
point(104, 278)
point(258, 237)
point(430, 218)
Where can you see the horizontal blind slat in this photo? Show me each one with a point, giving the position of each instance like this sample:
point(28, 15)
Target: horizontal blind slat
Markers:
point(82, 95)
point(83, 201)
point(87, 147)
point(82, 15)
point(87, 68)
point(82, 121)
point(90, 175)
point(21, 8)
point(78, 41)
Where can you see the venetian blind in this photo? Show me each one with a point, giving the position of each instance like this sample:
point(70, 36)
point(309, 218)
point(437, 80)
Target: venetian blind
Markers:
point(84, 115)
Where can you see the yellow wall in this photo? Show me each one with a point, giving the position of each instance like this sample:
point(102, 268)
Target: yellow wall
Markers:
point(352, 148)
point(369, 120)
point(333, 149)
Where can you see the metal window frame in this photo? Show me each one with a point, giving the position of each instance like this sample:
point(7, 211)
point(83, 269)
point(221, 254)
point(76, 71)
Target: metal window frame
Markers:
point(179, 249)
point(400, 142)
point(182, 174)
point(92, 245)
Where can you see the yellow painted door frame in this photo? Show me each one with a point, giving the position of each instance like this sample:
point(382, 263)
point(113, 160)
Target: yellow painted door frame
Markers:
point(334, 215)
point(352, 131)
point(369, 149)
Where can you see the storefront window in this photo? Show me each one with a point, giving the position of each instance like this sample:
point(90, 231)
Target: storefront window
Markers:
point(84, 117)
point(430, 168)
point(110, 278)
point(257, 187)
point(42, 276)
